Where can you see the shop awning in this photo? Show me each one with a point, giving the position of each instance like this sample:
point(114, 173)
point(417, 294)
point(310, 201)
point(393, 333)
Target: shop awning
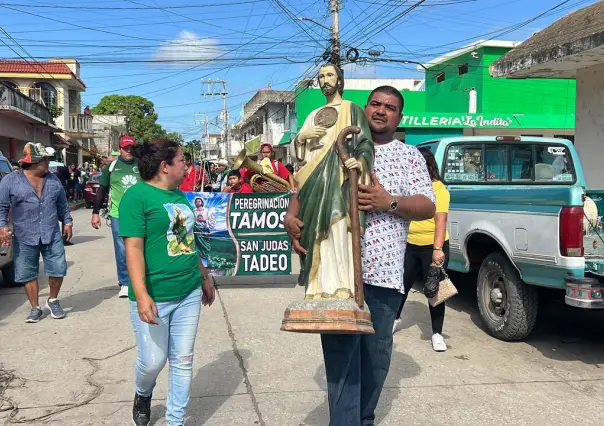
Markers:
point(252, 146)
point(59, 141)
point(286, 138)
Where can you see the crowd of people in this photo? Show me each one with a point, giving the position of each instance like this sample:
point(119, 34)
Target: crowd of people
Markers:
point(167, 284)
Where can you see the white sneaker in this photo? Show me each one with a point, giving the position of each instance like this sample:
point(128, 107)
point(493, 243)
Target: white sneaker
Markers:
point(123, 291)
point(438, 343)
point(398, 325)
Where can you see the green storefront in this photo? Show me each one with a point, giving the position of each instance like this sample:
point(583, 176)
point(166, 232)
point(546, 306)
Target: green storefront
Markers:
point(459, 82)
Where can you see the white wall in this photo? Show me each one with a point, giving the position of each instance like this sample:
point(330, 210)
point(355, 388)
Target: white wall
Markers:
point(589, 123)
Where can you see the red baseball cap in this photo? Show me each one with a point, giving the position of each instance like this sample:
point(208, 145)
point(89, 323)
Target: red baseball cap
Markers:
point(126, 141)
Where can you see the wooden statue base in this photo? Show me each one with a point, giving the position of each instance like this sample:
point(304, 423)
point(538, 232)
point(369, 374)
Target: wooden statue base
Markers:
point(327, 316)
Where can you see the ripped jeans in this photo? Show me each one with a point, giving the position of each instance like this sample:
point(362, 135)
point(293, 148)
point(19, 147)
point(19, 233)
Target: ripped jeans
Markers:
point(172, 339)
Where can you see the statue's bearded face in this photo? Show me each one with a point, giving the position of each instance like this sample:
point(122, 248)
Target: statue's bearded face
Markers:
point(328, 80)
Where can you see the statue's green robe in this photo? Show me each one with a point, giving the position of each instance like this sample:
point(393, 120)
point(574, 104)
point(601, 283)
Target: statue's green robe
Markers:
point(323, 192)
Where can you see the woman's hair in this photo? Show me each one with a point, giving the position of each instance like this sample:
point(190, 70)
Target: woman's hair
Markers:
point(431, 164)
point(150, 155)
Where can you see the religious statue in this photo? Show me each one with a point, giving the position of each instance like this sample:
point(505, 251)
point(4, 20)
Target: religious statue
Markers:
point(328, 172)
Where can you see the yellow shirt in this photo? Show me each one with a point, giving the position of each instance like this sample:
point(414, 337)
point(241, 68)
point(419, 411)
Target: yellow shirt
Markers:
point(421, 233)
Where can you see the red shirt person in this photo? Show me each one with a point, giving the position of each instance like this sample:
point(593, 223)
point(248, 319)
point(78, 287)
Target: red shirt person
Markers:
point(279, 169)
point(236, 184)
point(192, 180)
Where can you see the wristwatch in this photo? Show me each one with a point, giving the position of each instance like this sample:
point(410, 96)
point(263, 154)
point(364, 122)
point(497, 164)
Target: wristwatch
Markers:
point(438, 248)
point(393, 205)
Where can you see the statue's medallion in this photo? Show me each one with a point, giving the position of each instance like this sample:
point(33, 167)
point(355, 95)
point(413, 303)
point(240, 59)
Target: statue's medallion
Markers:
point(326, 117)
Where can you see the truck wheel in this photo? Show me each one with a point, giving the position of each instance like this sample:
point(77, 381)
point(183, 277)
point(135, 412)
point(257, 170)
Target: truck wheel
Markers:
point(8, 276)
point(508, 306)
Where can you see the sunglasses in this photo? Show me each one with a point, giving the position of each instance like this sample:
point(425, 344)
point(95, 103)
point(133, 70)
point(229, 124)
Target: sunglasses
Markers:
point(127, 149)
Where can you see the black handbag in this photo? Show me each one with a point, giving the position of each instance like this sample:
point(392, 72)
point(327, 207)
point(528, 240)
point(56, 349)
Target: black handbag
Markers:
point(432, 282)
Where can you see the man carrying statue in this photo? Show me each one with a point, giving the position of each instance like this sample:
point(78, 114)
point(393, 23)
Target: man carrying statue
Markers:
point(398, 191)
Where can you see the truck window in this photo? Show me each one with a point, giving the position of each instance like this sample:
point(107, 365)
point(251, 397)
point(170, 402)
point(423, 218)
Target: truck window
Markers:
point(553, 164)
point(464, 163)
point(514, 163)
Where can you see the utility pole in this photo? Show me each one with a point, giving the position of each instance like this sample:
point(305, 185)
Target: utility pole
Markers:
point(334, 8)
point(219, 88)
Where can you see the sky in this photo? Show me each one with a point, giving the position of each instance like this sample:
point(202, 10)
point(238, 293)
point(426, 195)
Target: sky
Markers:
point(163, 49)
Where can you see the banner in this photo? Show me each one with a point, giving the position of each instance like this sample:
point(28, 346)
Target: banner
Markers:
point(242, 234)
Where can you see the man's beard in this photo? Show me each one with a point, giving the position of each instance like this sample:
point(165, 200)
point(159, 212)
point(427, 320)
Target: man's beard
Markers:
point(329, 90)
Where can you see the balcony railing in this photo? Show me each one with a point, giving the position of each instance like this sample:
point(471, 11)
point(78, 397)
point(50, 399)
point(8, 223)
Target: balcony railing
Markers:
point(13, 99)
point(80, 123)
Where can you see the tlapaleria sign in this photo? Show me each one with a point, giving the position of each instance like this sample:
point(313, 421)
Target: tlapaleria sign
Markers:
point(242, 234)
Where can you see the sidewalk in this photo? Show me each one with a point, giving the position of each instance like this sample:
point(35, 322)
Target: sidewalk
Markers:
point(79, 371)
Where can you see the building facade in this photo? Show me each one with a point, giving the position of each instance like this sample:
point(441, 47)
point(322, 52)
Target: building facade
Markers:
point(108, 129)
point(460, 98)
point(56, 84)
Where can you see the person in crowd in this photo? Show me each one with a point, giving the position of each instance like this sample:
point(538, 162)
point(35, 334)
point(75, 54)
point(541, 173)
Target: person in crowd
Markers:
point(236, 184)
point(222, 174)
point(279, 169)
point(428, 244)
point(193, 178)
point(37, 198)
point(290, 169)
point(118, 176)
point(169, 283)
point(72, 181)
point(87, 110)
point(15, 165)
point(79, 185)
point(356, 366)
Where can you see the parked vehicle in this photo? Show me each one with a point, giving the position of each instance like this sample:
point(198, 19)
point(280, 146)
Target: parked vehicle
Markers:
point(91, 188)
point(6, 261)
point(516, 216)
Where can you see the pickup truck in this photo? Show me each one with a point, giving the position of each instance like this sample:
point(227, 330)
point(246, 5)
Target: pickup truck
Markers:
point(518, 217)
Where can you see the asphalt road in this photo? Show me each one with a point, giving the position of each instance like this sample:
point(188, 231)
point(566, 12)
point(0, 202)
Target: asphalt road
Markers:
point(79, 371)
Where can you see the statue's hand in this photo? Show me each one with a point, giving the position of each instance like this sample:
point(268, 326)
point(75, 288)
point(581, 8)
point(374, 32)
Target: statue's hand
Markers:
point(312, 133)
point(352, 163)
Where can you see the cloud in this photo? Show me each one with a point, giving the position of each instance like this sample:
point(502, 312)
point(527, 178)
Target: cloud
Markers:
point(187, 49)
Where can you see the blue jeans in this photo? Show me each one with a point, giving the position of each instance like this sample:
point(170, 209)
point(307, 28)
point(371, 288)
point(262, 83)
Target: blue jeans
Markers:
point(356, 366)
point(120, 253)
point(172, 339)
point(27, 259)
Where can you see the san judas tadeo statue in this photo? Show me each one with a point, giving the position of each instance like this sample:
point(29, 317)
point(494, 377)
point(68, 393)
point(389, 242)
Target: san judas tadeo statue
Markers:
point(335, 152)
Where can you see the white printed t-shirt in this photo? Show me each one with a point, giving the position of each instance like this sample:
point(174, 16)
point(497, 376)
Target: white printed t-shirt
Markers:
point(401, 170)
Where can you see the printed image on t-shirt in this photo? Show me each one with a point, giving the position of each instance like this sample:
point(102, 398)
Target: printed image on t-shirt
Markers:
point(180, 233)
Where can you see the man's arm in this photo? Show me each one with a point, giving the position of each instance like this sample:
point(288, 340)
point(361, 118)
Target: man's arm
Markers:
point(104, 183)
point(5, 201)
point(63, 206)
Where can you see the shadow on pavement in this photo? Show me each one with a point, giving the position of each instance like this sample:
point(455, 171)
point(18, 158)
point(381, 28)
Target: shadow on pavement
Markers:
point(402, 367)
point(87, 300)
point(80, 239)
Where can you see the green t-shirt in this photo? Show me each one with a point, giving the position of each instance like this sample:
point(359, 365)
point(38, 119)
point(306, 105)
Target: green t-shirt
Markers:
point(124, 176)
point(165, 220)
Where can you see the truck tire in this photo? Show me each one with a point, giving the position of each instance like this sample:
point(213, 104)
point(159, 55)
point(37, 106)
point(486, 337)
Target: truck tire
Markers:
point(507, 305)
point(8, 276)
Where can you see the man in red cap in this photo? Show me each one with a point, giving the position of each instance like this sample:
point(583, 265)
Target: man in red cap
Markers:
point(117, 177)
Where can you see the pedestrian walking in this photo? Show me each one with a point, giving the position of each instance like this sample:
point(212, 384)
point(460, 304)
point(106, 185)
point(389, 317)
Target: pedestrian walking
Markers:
point(118, 176)
point(169, 282)
point(428, 244)
point(356, 366)
point(36, 197)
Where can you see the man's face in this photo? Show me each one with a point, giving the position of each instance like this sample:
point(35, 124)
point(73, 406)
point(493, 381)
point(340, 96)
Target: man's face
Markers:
point(188, 162)
point(328, 80)
point(383, 112)
point(41, 167)
point(212, 167)
point(221, 168)
point(266, 152)
point(126, 152)
point(198, 202)
point(233, 180)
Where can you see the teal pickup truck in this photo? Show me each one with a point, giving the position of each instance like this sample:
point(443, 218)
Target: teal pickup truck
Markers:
point(518, 217)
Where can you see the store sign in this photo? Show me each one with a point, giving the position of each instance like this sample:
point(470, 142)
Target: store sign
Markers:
point(456, 120)
point(242, 234)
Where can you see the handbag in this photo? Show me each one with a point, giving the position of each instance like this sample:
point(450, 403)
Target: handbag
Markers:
point(446, 290)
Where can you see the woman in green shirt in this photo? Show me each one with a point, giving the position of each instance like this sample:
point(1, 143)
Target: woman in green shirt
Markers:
point(168, 281)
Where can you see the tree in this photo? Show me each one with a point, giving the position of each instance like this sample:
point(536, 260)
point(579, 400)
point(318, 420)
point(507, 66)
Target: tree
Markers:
point(176, 137)
point(140, 115)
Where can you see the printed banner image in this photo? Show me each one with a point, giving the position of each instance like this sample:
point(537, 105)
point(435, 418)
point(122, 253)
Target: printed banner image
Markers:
point(242, 234)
